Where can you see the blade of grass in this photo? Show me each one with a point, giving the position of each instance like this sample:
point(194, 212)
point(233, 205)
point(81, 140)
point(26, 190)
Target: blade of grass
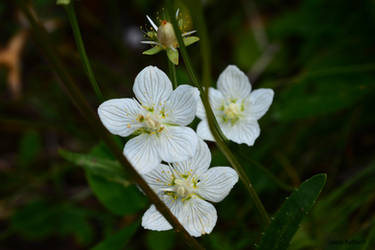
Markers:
point(69, 8)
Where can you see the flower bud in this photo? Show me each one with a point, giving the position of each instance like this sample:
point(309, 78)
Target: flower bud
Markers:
point(166, 35)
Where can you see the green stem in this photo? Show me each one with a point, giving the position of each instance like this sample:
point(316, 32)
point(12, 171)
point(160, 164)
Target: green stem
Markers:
point(212, 122)
point(85, 109)
point(172, 73)
point(81, 49)
point(196, 8)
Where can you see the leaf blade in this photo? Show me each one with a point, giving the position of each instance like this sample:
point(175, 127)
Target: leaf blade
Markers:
point(108, 169)
point(287, 219)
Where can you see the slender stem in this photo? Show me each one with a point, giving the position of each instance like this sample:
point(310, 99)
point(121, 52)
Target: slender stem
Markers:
point(213, 125)
point(85, 109)
point(172, 73)
point(81, 48)
point(196, 8)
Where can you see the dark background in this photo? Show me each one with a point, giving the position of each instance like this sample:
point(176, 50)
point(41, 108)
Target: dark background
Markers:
point(318, 57)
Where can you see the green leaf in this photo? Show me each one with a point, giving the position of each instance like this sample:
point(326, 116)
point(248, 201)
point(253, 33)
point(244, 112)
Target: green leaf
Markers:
point(107, 179)
point(108, 169)
point(173, 55)
point(118, 240)
point(190, 40)
point(287, 219)
point(154, 50)
point(115, 197)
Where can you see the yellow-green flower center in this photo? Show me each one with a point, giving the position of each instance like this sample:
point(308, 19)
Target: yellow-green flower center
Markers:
point(232, 112)
point(183, 187)
point(152, 123)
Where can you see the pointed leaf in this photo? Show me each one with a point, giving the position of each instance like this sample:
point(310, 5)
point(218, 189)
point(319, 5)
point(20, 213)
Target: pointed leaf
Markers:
point(287, 219)
point(190, 40)
point(108, 169)
point(173, 55)
point(154, 50)
point(117, 198)
point(107, 179)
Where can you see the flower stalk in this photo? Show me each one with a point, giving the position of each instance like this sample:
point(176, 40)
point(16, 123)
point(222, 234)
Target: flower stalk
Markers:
point(172, 73)
point(76, 96)
point(196, 7)
point(213, 124)
point(69, 8)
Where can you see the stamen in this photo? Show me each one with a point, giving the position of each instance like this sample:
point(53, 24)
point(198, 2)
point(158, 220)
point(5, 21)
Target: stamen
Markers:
point(189, 33)
point(150, 42)
point(152, 23)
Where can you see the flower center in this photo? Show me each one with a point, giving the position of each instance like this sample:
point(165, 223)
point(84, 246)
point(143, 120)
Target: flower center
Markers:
point(151, 123)
point(183, 187)
point(232, 112)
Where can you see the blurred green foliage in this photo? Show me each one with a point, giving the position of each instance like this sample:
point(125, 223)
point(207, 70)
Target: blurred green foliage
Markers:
point(321, 120)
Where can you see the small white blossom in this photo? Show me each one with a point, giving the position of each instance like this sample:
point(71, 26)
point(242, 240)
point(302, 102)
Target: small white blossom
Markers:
point(185, 187)
point(236, 108)
point(158, 117)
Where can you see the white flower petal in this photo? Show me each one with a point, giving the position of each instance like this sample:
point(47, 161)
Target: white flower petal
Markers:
point(216, 183)
point(243, 131)
point(119, 115)
point(216, 100)
point(160, 178)
point(181, 106)
point(197, 164)
point(142, 152)
point(233, 83)
point(258, 103)
point(204, 132)
point(152, 86)
point(201, 112)
point(198, 216)
point(153, 220)
point(177, 143)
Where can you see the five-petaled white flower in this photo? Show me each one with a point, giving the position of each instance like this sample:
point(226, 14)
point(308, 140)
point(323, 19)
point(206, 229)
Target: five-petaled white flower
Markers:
point(185, 187)
point(158, 119)
point(236, 107)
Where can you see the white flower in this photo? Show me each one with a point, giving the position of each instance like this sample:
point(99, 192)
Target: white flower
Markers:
point(236, 107)
point(185, 187)
point(158, 119)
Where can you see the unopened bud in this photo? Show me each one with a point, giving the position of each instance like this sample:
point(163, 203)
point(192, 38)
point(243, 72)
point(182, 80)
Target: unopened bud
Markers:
point(166, 35)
